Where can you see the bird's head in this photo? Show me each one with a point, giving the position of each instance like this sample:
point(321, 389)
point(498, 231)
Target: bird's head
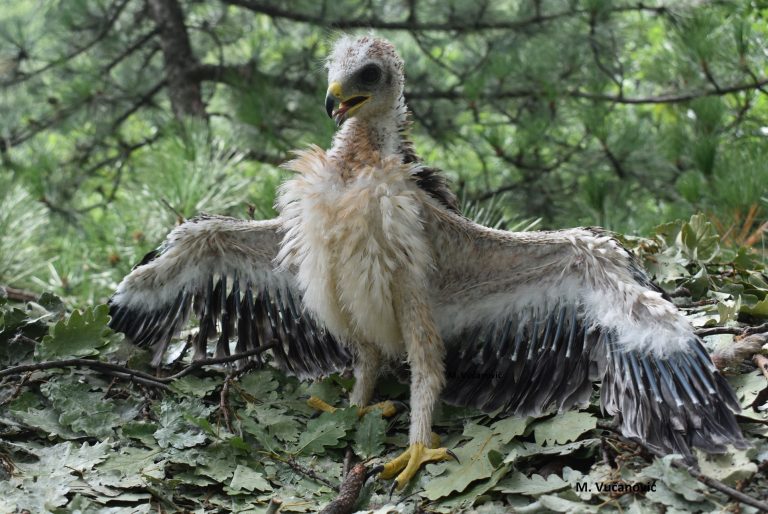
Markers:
point(365, 78)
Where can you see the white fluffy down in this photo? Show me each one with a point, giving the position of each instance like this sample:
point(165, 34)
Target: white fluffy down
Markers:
point(351, 242)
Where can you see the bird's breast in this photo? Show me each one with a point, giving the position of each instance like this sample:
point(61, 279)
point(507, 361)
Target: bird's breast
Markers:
point(354, 243)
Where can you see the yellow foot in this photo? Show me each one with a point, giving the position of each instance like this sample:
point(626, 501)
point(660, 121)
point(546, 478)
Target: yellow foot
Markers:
point(388, 408)
point(411, 460)
point(318, 404)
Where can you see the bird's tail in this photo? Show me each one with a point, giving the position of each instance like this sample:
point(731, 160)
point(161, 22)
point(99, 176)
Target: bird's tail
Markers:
point(674, 403)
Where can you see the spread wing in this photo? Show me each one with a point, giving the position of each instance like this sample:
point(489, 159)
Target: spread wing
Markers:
point(219, 271)
point(531, 320)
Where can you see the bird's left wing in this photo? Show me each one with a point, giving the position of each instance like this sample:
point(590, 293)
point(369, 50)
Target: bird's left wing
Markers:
point(530, 320)
point(219, 271)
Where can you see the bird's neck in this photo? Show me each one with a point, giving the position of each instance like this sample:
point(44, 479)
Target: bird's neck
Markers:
point(365, 141)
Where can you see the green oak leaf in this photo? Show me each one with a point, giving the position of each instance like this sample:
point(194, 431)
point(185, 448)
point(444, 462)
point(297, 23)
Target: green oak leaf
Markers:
point(80, 335)
point(369, 437)
point(563, 428)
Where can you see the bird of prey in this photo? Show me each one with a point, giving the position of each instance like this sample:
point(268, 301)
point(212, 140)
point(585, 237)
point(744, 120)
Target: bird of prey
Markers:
point(370, 260)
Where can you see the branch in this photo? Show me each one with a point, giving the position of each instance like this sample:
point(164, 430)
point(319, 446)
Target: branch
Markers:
point(246, 73)
point(413, 25)
point(17, 295)
point(35, 127)
point(126, 150)
point(131, 49)
point(143, 100)
point(218, 360)
point(304, 471)
point(236, 74)
point(714, 483)
point(674, 97)
point(224, 395)
point(662, 98)
point(350, 488)
point(133, 374)
point(745, 331)
point(123, 371)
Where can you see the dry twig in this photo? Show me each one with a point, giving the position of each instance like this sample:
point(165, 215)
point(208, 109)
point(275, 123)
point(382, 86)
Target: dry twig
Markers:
point(304, 470)
point(224, 396)
point(128, 373)
point(741, 331)
point(18, 295)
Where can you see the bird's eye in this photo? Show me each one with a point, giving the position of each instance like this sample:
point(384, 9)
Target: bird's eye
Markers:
point(370, 74)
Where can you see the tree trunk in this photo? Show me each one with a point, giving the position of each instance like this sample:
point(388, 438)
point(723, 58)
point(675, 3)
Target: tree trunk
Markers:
point(184, 93)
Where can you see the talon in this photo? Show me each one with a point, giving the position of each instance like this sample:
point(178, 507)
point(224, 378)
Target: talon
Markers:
point(453, 455)
point(373, 471)
point(392, 489)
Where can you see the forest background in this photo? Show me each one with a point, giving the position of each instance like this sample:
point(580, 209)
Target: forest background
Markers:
point(121, 118)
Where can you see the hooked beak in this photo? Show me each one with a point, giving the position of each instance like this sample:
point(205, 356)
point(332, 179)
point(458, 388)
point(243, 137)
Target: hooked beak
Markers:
point(330, 103)
point(347, 105)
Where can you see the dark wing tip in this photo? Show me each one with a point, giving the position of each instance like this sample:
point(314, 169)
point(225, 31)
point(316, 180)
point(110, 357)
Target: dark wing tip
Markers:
point(550, 361)
point(226, 309)
point(673, 404)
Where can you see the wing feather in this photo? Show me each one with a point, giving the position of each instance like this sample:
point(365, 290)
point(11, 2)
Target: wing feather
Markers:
point(531, 320)
point(219, 271)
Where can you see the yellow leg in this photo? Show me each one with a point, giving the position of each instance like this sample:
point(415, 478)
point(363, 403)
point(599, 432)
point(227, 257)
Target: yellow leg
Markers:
point(408, 463)
point(388, 408)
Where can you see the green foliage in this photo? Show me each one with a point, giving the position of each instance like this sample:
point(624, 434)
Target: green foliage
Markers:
point(76, 438)
point(80, 335)
point(564, 428)
point(689, 254)
point(369, 436)
point(21, 216)
point(544, 114)
point(189, 174)
point(480, 457)
point(592, 112)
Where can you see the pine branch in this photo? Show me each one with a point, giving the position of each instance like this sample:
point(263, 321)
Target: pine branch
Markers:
point(130, 49)
point(110, 22)
point(36, 126)
point(457, 24)
point(661, 98)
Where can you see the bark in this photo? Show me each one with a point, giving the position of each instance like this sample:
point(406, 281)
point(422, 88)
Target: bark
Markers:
point(185, 94)
point(348, 492)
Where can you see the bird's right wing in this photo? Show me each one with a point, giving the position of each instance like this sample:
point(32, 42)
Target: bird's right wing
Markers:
point(219, 271)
